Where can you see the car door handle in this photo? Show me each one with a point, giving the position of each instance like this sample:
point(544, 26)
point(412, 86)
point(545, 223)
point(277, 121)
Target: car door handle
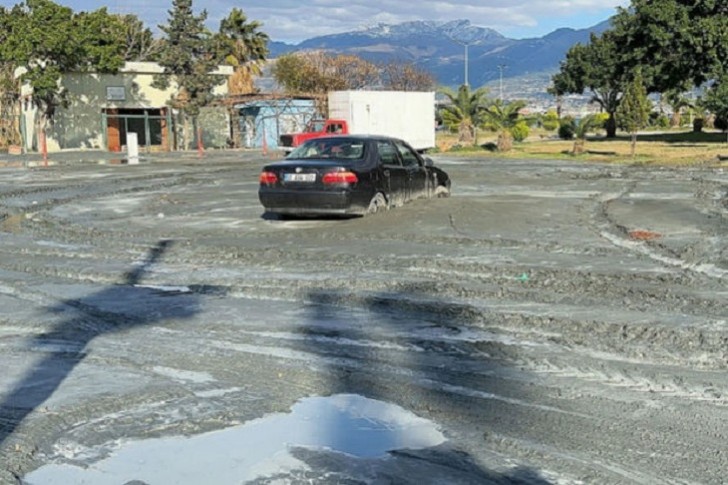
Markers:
point(386, 173)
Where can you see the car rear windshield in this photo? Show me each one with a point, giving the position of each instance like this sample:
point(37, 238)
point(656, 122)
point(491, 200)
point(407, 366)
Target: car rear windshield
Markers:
point(328, 148)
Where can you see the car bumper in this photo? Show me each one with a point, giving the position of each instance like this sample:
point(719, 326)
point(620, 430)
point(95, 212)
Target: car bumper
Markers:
point(295, 202)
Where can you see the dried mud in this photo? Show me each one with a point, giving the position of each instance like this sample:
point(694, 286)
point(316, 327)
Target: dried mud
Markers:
point(528, 315)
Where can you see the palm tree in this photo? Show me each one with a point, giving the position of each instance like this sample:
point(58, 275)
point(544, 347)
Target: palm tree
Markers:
point(501, 117)
point(586, 125)
point(680, 104)
point(245, 48)
point(464, 111)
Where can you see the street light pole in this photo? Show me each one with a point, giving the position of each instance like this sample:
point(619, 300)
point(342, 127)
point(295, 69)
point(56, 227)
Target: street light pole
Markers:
point(466, 64)
point(500, 70)
point(465, 45)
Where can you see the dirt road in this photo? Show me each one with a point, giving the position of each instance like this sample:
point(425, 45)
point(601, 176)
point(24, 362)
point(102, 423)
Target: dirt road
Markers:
point(554, 322)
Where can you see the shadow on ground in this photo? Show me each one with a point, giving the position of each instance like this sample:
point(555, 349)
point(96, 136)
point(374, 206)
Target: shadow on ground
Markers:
point(64, 346)
point(368, 344)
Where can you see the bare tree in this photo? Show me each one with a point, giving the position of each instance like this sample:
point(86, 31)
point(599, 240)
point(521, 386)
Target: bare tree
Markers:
point(406, 76)
point(140, 44)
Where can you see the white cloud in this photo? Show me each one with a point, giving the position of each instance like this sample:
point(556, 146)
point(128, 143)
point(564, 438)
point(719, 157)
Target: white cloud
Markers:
point(295, 20)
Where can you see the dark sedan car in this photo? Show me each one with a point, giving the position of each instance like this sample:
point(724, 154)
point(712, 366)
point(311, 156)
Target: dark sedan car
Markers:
point(349, 175)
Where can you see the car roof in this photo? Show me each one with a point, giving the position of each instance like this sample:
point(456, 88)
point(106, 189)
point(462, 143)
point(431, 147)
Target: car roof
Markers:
point(359, 137)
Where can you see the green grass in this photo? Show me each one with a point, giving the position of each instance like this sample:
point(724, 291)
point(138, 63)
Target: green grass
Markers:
point(675, 148)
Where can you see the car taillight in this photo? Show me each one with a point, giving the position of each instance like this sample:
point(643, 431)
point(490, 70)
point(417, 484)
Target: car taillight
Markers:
point(340, 178)
point(268, 178)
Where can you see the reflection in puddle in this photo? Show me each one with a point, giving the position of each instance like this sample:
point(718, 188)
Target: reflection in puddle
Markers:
point(348, 424)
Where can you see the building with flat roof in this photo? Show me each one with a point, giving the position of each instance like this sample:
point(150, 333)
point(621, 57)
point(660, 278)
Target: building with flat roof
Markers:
point(104, 108)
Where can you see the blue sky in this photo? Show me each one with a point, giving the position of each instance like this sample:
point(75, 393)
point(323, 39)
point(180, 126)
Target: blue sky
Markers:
point(296, 20)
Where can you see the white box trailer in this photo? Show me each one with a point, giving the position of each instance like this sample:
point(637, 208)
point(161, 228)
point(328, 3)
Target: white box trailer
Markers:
point(409, 115)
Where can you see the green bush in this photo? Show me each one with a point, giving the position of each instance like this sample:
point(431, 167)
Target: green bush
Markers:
point(602, 119)
point(659, 120)
point(465, 148)
point(550, 121)
point(567, 128)
point(721, 123)
point(521, 131)
point(698, 124)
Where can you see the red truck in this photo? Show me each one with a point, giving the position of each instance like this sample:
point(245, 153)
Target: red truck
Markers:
point(314, 129)
point(409, 116)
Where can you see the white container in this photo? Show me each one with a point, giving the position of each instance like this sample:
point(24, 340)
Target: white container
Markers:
point(409, 115)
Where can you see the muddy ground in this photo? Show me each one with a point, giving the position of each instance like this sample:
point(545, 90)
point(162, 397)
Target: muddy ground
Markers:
point(558, 322)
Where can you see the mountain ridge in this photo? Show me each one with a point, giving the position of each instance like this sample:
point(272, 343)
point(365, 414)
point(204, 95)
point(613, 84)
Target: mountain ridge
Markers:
point(439, 47)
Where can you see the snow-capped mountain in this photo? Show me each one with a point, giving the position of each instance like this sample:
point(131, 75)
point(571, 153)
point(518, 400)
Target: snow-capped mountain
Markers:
point(439, 47)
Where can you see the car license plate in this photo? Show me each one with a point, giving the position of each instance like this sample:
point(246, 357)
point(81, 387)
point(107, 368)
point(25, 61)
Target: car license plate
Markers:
point(299, 177)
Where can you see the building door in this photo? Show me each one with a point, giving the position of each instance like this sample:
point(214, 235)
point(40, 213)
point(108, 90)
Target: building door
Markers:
point(151, 126)
point(113, 130)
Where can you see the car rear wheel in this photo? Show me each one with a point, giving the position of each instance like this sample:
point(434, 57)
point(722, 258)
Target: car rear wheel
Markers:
point(442, 191)
point(377, 204)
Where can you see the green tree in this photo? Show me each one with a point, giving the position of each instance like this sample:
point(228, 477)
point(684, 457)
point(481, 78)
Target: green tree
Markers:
point(465, 111)
point(288, 71)
point(46, 40)
point(189, 57)
point(503, 117)
point(634, 110)
point(715, 100)
point(245, 47)
point(678, 43)
point(598, 67)
point(317, 73)
point(9, 96)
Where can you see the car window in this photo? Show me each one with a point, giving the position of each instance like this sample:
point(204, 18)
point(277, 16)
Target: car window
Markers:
point(388, 153)
point(336, 148)
point(409, 157)
point(335, 128)
point(315, 126)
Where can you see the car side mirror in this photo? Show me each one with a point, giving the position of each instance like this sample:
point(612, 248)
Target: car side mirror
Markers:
point(429, 162)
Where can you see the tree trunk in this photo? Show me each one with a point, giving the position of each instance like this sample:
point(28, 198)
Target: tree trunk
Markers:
point(186, 131)
point(611, 126)
point(676, 119)
point(505, 141)
point(465, 133)
point(578, 147)
point(634, 144)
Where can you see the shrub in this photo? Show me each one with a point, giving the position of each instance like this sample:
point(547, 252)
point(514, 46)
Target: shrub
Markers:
point(521, 131)
point(721, 123)
point(659, 120)
point(465, 148)
point(602, 119)
point(550, 121)
point(567, 128)
point(698, 124)
point(663, 121)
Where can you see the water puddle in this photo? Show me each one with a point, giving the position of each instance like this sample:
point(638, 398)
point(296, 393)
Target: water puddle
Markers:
point(349, 424)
